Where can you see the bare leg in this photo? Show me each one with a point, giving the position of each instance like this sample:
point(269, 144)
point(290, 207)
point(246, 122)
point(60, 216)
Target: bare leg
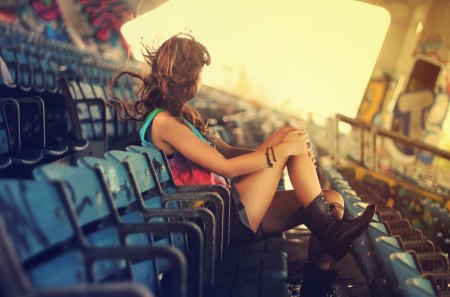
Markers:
point(257, 189)
point(304, 179)
point(281, 216)
point(276, 210)
point(280, 210)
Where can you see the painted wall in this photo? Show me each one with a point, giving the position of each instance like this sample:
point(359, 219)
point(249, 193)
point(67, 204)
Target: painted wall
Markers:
point(89, 24)
point(419, 29)
point(394, 62)
point(40, 16)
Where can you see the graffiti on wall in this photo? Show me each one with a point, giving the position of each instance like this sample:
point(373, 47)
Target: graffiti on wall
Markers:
point(420, 115)
point(49, 15)
point(410, 115)
point(373, 99)
point(90, 24)
point(105, 18)
point(39, 16)
point(434, 47)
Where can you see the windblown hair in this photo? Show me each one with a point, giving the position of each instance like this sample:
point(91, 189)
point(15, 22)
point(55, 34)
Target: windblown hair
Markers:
point(175, 69)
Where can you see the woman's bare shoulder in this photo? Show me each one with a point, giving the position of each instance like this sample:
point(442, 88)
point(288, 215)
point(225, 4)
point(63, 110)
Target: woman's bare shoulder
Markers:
point(164, 114)
point(164, 118)
point(162, 124)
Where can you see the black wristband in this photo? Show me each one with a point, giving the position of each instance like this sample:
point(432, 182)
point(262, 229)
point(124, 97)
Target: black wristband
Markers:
point(273, 154)
point(268, 159)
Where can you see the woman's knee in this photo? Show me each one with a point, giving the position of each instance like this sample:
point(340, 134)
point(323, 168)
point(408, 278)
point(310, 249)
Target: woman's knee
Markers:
point(285, 129)
point(276, 137)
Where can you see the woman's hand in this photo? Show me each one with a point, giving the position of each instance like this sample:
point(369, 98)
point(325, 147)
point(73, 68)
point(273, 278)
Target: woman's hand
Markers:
point(297, 141)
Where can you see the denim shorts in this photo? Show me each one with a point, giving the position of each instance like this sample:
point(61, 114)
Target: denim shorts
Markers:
point(240, 231)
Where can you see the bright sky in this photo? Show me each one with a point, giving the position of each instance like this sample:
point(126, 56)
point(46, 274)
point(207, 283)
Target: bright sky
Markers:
point(298, 55)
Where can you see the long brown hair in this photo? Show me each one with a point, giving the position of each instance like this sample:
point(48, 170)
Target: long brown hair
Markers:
point(175, 69)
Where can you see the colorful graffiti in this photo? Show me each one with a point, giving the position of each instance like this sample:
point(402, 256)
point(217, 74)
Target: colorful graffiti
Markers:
point(373, 99)
point(47, 10)
point(106, 18)
point(90, 24)
point(420, 115)
point(411, 114)
point(39, 16)
point(433, 46)
point(7, 16)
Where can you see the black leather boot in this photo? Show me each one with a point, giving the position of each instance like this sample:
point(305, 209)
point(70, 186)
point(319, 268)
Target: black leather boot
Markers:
point(335, 235)
point(317, 282)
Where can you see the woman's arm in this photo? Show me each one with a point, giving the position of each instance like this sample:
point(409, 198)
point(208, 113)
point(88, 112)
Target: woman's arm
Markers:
point(166, 129)
point(227, 150)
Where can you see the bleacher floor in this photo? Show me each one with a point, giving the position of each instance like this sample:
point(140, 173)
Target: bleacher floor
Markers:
point(350, 280)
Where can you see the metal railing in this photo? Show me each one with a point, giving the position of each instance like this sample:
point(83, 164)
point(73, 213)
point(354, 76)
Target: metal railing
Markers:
point(365, 148)
point(376, 132)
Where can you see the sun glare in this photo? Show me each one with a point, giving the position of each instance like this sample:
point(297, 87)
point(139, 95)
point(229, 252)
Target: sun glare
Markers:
point(307, 55)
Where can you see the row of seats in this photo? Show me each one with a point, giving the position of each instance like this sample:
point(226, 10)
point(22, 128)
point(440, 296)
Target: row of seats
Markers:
point(238, 122)
point(75, 93)
point(440, 225)
point(430, 217)
point(23, 136)
point(395, 257)
point(46, 115)
point(94, 119)
point(122, 219)
point(72, 85)
point(34, 63)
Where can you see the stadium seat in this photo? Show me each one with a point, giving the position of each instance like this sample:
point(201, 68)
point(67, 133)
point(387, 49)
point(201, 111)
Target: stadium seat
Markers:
point(32, 129)
point(48, 238)
point(11, 138)
point(14, 282)
point(95, 207)
point(133, 208)
point(88, 115)
point(158, 160)
point(150, 190)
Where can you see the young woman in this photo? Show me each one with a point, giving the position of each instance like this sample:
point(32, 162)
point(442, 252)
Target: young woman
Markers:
point(195, 157)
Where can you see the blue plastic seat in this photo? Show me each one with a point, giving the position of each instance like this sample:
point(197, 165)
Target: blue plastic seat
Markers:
point(10, 133)
point(25, 71)
point(14, 282)
point(87, 113)
point(27, 116)
point(152, 197)
point(157, 159)
point(9, 59)
point(98, 218)
point(143, 167)
point(38, 80)
point(36, 228)
point(133, 209)
point(419, 286)
point(404, 266)
point(384, 246)
point(53, 250)
point(33, 130)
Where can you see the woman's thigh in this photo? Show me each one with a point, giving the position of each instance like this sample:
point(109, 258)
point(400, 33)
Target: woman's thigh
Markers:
point(258, 188)
point(283, 213)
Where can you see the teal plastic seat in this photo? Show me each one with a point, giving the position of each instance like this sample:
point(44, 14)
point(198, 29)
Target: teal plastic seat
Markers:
point(99, 220)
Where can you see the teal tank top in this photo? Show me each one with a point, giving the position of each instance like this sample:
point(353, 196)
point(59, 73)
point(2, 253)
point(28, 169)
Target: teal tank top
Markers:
point(149, 121)
point(183, 170)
